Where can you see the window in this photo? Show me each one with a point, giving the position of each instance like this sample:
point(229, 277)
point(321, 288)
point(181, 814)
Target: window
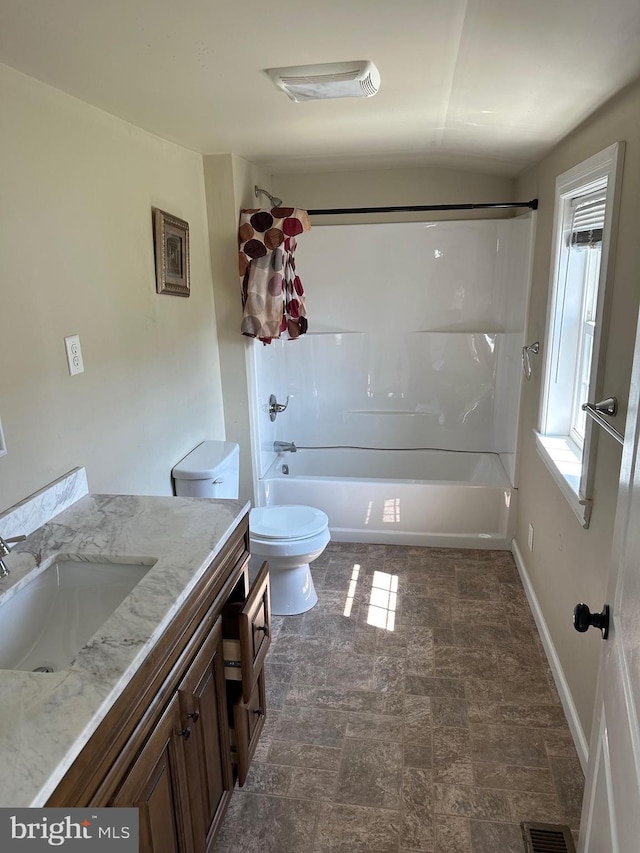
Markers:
point(582, 253)
point(576, 322)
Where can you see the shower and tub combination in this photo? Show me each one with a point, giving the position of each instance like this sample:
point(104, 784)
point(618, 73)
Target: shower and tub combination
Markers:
point(402, 400)
point(419, 497)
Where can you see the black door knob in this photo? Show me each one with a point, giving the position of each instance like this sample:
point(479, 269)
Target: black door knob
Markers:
point(583, 619)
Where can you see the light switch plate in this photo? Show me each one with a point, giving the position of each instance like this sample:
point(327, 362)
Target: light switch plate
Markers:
point(74, 354)
point(3, 446)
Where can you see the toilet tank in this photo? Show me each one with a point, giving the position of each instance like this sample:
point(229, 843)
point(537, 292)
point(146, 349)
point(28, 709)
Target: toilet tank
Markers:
point(211, 470)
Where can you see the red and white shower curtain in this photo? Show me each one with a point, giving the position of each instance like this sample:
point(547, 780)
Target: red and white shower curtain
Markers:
point(272, 292)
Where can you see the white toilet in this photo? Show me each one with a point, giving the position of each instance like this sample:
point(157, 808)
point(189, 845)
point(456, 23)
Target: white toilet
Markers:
point(289, 537)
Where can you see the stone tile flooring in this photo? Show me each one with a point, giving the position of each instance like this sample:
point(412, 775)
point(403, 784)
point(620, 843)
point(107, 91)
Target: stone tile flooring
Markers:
point(412, 709)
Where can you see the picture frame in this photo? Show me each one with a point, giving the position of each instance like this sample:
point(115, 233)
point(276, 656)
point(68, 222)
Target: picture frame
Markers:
point(171, 243)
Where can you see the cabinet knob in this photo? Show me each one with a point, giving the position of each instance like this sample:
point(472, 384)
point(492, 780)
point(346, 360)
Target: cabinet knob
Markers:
point(194, 715)
point(259, 712)
point(185, 733)
point(263, 628)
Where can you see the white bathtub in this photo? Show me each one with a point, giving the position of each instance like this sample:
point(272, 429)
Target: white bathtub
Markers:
point(403, 497)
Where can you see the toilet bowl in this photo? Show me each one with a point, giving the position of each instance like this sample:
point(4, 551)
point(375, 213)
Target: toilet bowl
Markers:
point(288, 536)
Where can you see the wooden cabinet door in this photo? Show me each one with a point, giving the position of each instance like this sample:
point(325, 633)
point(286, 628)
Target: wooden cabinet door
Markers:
point(207, 752)
point(157, 785)
point(249, 720)
point(255, 631)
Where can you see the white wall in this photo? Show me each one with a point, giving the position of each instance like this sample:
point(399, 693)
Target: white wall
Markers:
point(570, 564)
point(77, 188)
point(269, 377)
point(515, 273)
point(230, 182)
point(393, 187)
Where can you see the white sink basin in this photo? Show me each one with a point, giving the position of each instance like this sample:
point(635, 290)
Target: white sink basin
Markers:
point(48, 621)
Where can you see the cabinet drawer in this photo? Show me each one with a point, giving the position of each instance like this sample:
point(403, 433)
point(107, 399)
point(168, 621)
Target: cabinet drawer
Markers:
point(232, 657)
point(247, 634)
point(249, 720)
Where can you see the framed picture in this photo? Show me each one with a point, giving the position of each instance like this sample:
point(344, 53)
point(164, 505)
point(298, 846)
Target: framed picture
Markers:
point(171, 238)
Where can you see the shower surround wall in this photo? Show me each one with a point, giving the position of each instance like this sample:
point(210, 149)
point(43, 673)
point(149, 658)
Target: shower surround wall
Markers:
point(415, 334)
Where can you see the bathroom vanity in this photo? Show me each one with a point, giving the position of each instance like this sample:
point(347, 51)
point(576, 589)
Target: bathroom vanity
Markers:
point(162, 709)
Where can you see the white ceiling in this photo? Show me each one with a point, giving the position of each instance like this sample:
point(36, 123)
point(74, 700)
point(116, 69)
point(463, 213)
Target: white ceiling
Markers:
point(487, 85)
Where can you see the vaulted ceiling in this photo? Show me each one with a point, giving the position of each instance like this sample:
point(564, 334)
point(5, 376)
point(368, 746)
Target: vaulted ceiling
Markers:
point(486, 85)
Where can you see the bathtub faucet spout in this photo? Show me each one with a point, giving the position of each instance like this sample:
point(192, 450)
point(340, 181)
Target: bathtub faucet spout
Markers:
point(284, 447)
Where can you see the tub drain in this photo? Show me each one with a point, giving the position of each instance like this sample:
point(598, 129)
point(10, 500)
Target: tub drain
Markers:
point(44, 668)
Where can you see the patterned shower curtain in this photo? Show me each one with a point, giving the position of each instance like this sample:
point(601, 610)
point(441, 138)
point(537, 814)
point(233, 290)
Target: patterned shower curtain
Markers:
point(272, 293)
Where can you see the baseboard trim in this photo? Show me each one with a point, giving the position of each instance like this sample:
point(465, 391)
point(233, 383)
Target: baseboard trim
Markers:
point(575, 726)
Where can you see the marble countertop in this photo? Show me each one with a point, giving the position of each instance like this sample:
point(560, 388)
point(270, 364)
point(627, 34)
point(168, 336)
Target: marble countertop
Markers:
point(46, 718)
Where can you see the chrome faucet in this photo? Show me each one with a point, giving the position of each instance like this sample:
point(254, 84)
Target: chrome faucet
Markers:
point(275, 407)
point(5, 551)
point(284, 447)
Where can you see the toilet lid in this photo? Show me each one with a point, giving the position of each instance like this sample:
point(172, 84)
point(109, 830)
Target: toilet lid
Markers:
point(288, 521)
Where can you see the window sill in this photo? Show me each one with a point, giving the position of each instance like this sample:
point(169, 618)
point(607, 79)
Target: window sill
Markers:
point(564, 461)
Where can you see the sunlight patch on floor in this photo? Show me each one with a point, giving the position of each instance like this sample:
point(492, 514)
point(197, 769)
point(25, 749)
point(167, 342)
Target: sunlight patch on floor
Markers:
point(353, 582)
point(383, 601)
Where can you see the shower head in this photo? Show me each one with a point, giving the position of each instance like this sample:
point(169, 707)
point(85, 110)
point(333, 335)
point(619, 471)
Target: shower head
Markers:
point(275, 201)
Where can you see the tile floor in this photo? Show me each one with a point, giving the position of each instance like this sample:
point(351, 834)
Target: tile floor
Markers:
point(412, 709)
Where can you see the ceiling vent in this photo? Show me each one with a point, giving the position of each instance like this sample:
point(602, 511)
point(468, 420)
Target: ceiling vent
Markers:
point(359, 79)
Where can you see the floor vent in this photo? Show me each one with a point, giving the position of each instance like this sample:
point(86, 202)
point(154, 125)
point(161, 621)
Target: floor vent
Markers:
point(547, 838)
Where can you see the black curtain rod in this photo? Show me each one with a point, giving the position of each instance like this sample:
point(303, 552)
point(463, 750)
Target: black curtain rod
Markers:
point(417, 208)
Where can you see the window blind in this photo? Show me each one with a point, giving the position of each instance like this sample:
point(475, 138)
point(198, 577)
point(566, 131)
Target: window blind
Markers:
point(587, 220)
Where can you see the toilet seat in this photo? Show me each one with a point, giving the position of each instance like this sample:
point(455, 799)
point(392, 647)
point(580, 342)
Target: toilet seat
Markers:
point(286, 522)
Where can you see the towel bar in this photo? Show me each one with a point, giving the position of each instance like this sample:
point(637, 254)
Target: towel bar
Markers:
point(596, 412)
